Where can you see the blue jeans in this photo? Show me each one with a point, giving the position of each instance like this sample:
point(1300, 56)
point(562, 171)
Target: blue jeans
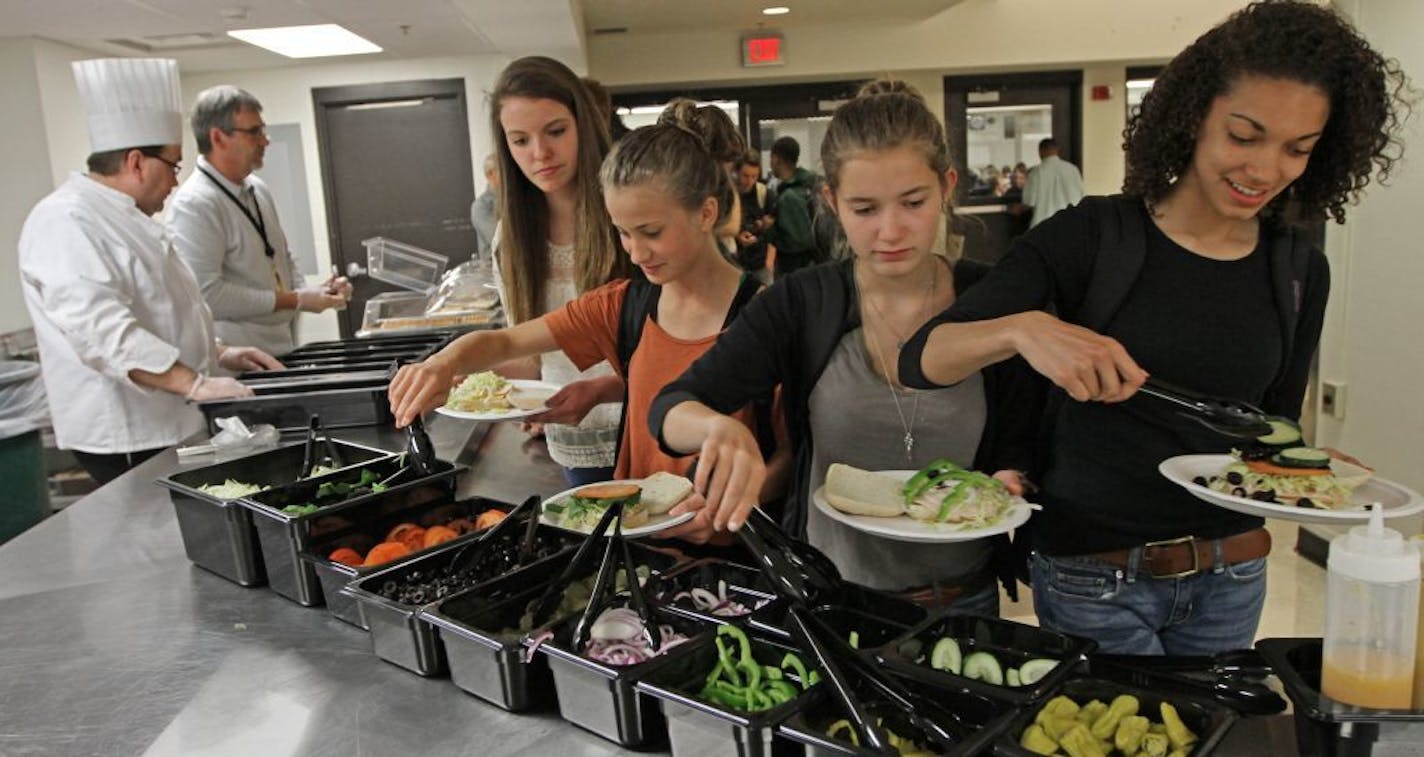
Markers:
point(585, 476)
point(982, 602)
point(1127, 611)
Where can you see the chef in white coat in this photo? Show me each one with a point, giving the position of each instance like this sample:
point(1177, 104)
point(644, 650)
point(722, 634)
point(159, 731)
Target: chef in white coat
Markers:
point(225, 225)
point(126, 342)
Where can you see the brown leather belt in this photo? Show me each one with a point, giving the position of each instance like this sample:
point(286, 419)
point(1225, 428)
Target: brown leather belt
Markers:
point(1188, 556)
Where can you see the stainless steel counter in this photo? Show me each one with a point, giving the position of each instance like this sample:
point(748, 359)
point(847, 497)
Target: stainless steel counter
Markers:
point(114, 644)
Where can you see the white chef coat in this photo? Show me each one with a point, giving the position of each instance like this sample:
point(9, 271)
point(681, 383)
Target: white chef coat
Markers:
point(107, 294)
point(225, 251)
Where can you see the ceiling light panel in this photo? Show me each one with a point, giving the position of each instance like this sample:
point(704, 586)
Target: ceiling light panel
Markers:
point(316, 41)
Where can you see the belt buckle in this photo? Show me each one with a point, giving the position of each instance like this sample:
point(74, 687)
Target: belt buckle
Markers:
point(1196, 560)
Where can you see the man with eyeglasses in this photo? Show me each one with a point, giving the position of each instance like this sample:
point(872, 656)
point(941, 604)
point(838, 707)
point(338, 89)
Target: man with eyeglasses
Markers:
point(224, 223)
point(126, 343)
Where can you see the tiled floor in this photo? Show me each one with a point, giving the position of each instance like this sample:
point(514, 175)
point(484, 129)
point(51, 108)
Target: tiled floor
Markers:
point(1295, 591)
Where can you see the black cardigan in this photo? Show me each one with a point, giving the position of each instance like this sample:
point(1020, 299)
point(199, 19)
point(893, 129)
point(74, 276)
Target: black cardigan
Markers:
point(787, 335)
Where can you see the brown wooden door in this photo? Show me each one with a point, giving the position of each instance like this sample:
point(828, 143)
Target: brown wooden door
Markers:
point(395, 163)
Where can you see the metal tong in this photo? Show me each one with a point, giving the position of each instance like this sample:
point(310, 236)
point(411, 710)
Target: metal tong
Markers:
point(835, 659)
point(309, 460)
point(528, 508)
point(798, 571)
point(604, 593)
point(1228, 417)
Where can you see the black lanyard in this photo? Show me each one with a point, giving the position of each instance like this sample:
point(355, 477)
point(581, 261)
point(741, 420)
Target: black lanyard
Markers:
point(257, 222)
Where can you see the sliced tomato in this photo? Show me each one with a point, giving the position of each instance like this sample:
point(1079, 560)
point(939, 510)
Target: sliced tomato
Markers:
point(1270, 469)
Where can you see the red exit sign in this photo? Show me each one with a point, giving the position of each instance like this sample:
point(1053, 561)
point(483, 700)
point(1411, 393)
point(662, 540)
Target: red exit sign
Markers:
point(763, 50)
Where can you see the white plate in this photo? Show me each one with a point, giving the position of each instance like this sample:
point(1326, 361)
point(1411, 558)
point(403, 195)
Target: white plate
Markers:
point(905, 528)
point(655, 523)
point(1398, 500)
point(511, 414)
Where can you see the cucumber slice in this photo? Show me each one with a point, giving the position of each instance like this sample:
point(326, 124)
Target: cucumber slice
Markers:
point(1012, 677)
point(946, 656)
point(1301, 457)
point(1283, 432)
point(982, 666)
point(1034, 670)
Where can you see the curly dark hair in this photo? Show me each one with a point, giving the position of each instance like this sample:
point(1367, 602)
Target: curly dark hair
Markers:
point(1283, 39)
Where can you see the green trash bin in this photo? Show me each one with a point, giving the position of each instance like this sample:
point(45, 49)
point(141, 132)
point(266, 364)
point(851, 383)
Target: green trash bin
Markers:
point(23, 412)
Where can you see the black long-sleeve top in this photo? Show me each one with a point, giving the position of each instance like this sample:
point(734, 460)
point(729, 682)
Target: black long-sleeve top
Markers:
point(1209, 325)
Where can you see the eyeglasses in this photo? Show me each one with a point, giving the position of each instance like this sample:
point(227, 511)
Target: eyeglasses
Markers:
point(177, 167)
point(256, 132)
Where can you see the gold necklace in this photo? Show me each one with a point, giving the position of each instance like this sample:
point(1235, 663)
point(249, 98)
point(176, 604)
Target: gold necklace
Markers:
point(901, 339)
point(908, 428)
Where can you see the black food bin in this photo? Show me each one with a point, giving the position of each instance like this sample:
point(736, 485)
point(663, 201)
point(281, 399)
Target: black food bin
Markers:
point(1208, 720)
point(479, 632)
point(982, 719)
point(603, 699)
point(1010, 643)
point(218, 534)
point(283, 536)
point(370, 523)
point(771, 620)
point(1327, 728)
point(699, 727)
point(742, 584)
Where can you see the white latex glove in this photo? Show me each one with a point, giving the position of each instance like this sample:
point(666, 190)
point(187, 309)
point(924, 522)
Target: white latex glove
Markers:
point(217, 388)
point(315, 299)
point(243, 359)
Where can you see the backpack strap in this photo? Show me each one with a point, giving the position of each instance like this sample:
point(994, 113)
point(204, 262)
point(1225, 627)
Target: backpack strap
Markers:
point(1122, 250)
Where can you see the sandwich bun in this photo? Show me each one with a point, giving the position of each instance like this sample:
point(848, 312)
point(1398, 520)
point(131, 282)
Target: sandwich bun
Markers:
point(662, 490)
point(859, 492)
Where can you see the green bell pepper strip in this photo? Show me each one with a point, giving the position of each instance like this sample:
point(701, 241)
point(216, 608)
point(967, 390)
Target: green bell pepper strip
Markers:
point(796, 666)
point(926, 477)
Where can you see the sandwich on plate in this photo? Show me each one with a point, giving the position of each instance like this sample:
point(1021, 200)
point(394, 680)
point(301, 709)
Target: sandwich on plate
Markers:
point(1279, 468)
point(642, 499)
point(941, 492)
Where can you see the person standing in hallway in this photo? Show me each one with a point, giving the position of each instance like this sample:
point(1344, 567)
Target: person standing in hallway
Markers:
point(792, 233)
point(484, 213)
point(1052, 185)
point(225, 226)
point(758, 215)
point(125, 340)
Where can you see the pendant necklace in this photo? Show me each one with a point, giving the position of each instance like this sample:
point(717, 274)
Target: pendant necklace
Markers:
point(907, 427)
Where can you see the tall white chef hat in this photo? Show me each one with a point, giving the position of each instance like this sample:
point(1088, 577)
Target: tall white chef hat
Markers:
point(130, 102)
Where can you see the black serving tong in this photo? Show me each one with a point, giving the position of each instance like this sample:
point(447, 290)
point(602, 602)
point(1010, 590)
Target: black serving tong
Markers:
point(616, 555)
point(419, 449)
point(529, 508)
point(309, 451)
point(1228, 417)
point(554, 593)
point(840, 663)
point(798, 571)
point(333, 457)
point(1235, 679)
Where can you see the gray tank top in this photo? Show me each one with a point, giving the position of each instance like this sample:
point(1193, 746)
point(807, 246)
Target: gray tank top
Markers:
point(853, 421)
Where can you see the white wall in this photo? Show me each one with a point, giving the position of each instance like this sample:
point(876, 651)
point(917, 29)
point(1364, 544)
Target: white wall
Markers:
point(24, 155)
point(1372, 341)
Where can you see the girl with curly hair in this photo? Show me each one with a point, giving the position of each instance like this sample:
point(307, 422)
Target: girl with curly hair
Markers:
point(1279, 115)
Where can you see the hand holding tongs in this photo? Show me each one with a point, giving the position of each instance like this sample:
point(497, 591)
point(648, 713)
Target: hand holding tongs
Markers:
point(605, 591)
point(1228, 417)
point(528, 508)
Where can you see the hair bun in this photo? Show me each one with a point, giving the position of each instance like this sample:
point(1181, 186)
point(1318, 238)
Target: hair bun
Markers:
point(888, 86)
point(708, 124)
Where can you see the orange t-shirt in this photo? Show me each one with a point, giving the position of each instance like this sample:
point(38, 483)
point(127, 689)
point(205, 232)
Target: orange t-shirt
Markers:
point(586, 329)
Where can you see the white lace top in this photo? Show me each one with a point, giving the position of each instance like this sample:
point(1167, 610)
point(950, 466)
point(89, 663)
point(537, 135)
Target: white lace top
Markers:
point(594, 442)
